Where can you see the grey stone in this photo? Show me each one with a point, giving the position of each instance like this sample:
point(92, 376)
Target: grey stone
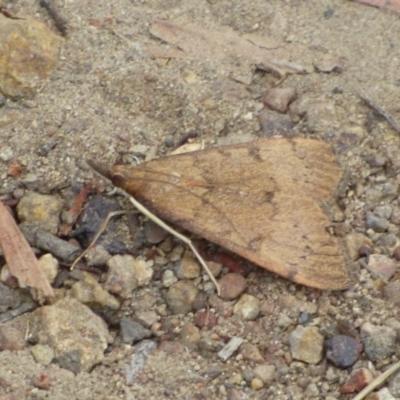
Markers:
point(132, 331)
point(375, 223)
point(379, 341)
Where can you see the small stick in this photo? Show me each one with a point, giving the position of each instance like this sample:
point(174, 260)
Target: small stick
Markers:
point(378, 381)
point(59, 21)
point(381, 111)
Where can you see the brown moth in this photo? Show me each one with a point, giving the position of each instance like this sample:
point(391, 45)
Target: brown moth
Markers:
point(265, 200)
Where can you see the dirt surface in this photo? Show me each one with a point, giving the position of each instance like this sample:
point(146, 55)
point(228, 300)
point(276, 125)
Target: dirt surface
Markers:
point(110, 98)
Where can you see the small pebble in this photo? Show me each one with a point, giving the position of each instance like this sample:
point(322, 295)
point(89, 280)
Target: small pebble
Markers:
point(382, 394)
point(373, 196)
point(382, 266)
point(41, 209)
point(205, 320)
point(232, 286)
point(357, 381)
point(6, 154)
point(265, 372)
point(251, 352)
point(278, 99)
point(379, 341)
point(306, 344)
point(257, 384)
point(355, 241)
point(49, 243)
point(97, 256)
point(89, 292)
point(248, 307)
point(392, 292)
point(311, 391)
point(375, 223)
point(126, 273)
point(190, 335)
point(329, 63)
point(215, 268)
point(132, 332)
point(49, 265)
point(154, 233)
point(168, 278)
point(146, 318)
point(181, 296)
point(42, 354)
point(188, 268)
point(343, 351)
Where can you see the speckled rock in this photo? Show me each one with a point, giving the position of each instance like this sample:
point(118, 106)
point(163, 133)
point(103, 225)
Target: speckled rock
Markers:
point(126, 273)
point(181, 296)
point(29, 52)
point(379, 341)
point(248, 307)
point(343, 351)
point(89, 292)
point(77, 336)
point(232, 286)
point(41, 209)
point(306, 344)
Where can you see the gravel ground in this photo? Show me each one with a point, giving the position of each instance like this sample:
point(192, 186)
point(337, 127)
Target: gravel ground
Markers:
point(112, 97)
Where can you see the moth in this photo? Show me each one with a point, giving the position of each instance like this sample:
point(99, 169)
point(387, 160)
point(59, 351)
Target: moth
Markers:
point(266, 201)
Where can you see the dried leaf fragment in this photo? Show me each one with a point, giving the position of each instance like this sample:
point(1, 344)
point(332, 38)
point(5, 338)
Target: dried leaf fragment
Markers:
point(21, 261)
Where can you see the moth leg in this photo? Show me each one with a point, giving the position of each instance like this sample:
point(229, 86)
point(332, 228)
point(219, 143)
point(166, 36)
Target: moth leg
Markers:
point(101, 229)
